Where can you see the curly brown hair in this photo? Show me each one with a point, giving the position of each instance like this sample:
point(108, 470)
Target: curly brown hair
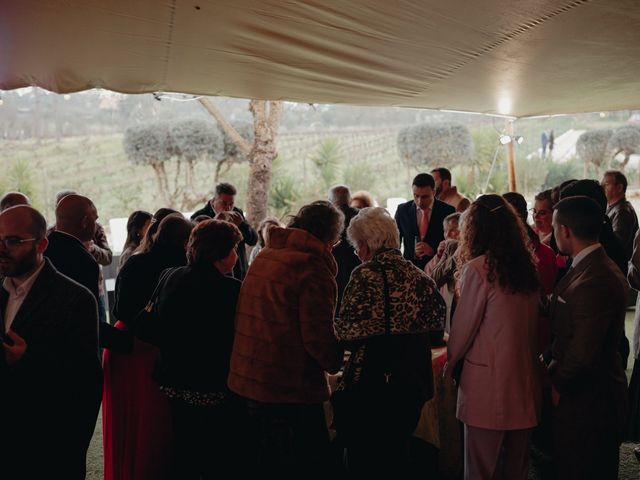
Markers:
point(491, 227)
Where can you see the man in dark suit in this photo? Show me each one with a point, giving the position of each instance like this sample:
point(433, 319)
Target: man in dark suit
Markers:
point(75, 227)
point(51, 394)
point(221, 207)
point(587, 311)
point(345, 256)
point(420, 221)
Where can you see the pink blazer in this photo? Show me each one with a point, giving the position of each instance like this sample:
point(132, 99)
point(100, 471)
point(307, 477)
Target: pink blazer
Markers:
point(495, 334)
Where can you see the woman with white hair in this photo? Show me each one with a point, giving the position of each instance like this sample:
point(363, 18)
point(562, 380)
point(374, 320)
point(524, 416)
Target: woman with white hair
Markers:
point(389, 310)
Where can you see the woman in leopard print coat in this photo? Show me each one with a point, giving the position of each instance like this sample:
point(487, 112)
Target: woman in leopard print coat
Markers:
point(417, 311)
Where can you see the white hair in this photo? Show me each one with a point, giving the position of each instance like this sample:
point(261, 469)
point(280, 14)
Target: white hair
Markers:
point(375, 228)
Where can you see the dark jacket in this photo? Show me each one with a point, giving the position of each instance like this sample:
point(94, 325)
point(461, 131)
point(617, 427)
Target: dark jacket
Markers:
point(587, 315)
point(193, 321)
point(72, 259)
point(54, 390)
point(344, 255)
point(249, 237)
point(138, 279)
point(407, 220)
point(624, 222)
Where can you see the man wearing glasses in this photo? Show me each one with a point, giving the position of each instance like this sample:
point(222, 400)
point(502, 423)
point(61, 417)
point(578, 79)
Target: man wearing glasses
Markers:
point(50, 372)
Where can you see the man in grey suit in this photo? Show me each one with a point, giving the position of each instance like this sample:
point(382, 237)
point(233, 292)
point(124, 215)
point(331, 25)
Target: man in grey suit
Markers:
point(50, 394)
point(587, 315)
point(624, 220)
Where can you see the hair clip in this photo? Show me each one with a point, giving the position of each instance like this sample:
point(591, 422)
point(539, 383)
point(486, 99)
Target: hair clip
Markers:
point(496, 208)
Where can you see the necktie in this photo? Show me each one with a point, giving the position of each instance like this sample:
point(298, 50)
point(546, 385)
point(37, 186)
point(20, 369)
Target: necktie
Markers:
point(424, 222)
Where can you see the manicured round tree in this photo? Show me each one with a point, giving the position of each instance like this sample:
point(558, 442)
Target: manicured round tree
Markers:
point(194, 138)
point(591, 146)
point(625, 140)
point(436, 144)
point(147, 144)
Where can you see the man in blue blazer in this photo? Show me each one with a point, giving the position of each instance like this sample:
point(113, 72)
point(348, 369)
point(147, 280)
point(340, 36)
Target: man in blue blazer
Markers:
point(420, 221)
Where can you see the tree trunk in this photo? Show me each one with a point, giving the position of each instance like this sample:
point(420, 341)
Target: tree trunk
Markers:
point(265, 124)
point(163, 184)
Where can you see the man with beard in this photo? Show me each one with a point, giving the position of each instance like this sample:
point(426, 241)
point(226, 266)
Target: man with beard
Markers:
point(587, 317)
point(447, 193)
point(52, 391)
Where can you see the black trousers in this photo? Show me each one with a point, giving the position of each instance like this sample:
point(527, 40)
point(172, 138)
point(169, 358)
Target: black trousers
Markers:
point(582, 452)
point(290, 439)
point(205, 439)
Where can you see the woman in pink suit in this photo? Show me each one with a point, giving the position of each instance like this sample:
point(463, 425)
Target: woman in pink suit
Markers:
point(492, 346)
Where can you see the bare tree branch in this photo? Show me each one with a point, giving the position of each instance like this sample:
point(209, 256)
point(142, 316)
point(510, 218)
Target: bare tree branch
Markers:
point(243, 145)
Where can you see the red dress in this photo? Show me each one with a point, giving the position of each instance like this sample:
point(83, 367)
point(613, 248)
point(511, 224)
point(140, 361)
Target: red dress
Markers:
point(136, 420)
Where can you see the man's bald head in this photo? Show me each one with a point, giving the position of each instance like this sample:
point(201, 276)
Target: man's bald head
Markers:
point(11, 199)
point(76, 215)
point(63, 193)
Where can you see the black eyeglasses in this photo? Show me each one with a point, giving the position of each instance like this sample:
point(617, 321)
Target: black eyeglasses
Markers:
point(11, 242)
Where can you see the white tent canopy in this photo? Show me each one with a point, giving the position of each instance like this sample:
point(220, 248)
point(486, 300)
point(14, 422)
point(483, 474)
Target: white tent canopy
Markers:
point(517, 58)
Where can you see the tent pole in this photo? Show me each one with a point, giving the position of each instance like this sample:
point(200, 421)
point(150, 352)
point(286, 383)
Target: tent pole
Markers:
point(511, 157)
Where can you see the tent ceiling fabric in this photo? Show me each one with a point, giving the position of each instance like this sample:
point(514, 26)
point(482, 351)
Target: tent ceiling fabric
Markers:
point(521, 58)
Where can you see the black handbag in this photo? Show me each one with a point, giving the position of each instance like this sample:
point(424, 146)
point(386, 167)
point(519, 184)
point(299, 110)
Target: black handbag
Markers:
point(384, 402)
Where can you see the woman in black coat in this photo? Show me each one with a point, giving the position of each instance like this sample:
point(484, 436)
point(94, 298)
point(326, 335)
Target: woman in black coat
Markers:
point(137, 440)
point(192, 321)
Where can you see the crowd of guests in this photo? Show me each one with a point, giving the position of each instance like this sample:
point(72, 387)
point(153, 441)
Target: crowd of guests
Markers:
point(219, 358)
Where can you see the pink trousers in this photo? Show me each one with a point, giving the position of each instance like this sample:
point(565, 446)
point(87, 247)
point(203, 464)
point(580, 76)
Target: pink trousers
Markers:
point(495, 454)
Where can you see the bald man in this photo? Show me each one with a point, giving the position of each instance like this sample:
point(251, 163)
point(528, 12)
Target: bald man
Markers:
point(75, 224)
point(75, 227)
point(51, 395)
point(11, 199)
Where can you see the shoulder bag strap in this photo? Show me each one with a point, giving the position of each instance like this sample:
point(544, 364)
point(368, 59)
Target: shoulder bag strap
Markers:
point(387, 320)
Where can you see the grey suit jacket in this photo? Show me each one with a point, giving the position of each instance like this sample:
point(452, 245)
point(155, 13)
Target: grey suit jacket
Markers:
point(587, 317)
point(624, 222)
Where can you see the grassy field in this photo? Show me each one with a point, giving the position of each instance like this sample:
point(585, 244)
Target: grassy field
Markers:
point(97, 167)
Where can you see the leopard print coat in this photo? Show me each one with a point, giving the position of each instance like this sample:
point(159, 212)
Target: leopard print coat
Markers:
point(416, 306)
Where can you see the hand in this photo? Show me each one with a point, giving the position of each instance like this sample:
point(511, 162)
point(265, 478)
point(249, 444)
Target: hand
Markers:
point(13, 353)
point(235, 218)
point(441, 248)
point(423, 249)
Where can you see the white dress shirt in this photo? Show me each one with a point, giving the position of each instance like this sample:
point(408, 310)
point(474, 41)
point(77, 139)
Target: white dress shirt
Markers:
point(17, 294)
